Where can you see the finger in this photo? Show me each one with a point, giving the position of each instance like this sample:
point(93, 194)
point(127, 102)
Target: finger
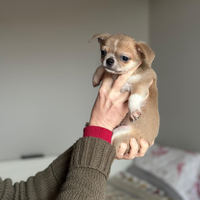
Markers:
point(125, 107)
point(107, 81)
point(144, 147)
point(121, 150)
point(121, 80)
point(124, 97)
point(133, 150)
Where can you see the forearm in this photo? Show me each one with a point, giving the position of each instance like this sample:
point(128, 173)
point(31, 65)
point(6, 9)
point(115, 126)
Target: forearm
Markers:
point(89, 169)
point(44, 185)
point(89, 164)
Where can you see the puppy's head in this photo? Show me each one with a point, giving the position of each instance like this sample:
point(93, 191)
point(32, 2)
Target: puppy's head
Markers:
point(121, 53)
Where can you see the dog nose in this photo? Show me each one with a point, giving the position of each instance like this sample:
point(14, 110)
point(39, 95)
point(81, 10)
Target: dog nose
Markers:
point(110, 61)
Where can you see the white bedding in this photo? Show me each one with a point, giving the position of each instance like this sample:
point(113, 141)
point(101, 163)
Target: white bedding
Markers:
point(178, 168)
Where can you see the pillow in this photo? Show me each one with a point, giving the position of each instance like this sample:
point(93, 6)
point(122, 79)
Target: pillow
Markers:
point(176, 167)
point(194, 192)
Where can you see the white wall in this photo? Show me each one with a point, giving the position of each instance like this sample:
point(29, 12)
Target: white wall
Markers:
point(174, 36)
point(46, 68)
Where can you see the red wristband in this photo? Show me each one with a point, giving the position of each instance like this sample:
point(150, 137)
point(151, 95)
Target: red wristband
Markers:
point(98, 132)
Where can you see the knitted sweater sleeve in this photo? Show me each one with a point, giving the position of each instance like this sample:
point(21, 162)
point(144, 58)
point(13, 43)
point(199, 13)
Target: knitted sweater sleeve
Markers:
point(89, 164)
point(44, 185)
point(89, 170)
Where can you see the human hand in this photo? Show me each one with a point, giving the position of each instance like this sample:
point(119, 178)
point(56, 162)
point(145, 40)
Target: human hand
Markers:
point(111, 105)
point(120, 154)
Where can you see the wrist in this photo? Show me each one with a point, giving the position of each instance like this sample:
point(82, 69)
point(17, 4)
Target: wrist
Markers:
point(98, 132)
point(100, 123)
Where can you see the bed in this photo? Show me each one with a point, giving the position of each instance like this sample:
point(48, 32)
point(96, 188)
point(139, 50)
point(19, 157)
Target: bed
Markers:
point(164, 173)
point(130, 186)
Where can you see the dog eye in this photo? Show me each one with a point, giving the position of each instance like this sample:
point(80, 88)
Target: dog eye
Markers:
point(103, 53)
point(125, 58)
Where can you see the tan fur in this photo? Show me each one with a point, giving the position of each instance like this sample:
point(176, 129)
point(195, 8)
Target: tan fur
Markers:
point(143, 119)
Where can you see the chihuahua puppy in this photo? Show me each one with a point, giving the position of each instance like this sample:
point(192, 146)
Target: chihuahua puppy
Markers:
point(119, 54)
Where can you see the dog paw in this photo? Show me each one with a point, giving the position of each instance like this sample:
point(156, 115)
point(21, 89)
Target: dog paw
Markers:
point(95, 83)
point(125, 88)
point(135, 115)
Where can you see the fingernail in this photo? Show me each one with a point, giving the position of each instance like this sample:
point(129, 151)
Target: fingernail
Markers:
point(133, 140)
point(123, 145)
point(144, 141)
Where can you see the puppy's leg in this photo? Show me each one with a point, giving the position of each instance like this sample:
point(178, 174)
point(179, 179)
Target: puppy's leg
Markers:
point(139, 93)
point(126, 87)
point(98, 75)
point(124, 133)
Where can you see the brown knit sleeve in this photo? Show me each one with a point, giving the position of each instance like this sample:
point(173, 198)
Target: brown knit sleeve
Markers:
point(89, 169)
point(90, 165)
point(44, 185)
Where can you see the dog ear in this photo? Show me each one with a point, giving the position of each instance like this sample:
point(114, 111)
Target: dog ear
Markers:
point(145, 52)
point(101, 37)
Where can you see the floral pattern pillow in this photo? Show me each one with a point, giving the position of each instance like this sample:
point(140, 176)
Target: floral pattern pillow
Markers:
point(179, 168)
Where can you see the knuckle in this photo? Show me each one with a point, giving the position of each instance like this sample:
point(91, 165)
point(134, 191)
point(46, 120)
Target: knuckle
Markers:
point(127, 157)
point(141, 154)
point(132, 157)
point(110, 99)
point(102, 92)
point(118, 158)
